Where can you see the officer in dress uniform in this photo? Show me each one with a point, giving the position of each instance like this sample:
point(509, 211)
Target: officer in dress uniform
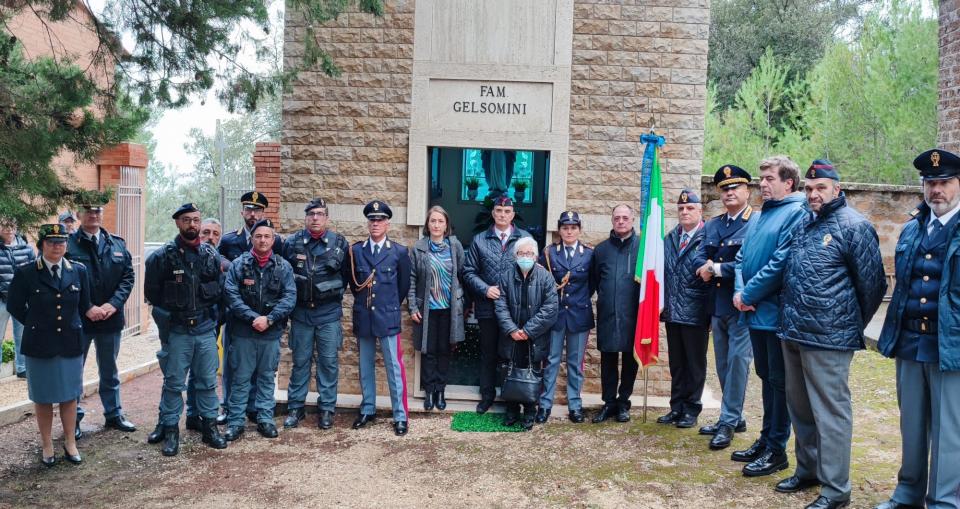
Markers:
point(569, 262)
point(920, 332)
point(723, 236)
point(184, 283)
point(232, 245)
point(260, 295)
point(379, 276)
point(317, 255)
point(110, 267)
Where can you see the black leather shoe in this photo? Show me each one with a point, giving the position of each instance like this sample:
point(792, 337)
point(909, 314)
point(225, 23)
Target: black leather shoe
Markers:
point(23, 374)
point(252, 416)
point(749, 454)
point(709, 429)
point(156, 436)
point(221, 419)
point(267, 430)
point(576, 416)
point(484, 405)
point(794, 484)
point(76, 459)
point(722, 438)
point(428, 401)
point(623, 414)
point(363, 419)
point(294, 417)
point(687, 421)
point(48, 462)
point(120, 423)
point(766, 464)
point(233, 433)
point(823, 502)
point(741, 426)
point(542, 416)
point(671, 417)
point(510, 419)
point(211, 435)
point(194, 423)
point(400, 428)
point(440, 400)
point(325, 421)
point(892, 504)
point(171, 441)
point(605, 413)
point(77, 432)
point(527, 423)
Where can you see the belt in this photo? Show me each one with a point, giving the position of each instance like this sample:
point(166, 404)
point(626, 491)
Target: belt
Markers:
point(920, 325)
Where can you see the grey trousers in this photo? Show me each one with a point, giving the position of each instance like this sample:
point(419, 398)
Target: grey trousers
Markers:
point(929, 402)
point(818, 399)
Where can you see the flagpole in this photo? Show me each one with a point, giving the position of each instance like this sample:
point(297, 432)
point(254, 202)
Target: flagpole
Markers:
point(645, 371)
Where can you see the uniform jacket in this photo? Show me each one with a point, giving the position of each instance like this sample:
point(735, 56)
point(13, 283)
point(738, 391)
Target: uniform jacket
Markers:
point(761, 259)
point(110, 267)
point(948, 316)
point(421, 279)
point(575, 286)
point(833, 279)
point(50, 311)
point(542, 303)
point(379, 285)
point(235, 243)
point(721, 243)
point(685, 294)
point(251, 292)
point(485, 264)
point(318, 271)
point(185, 286)
point(11, 257)
point(618, 293)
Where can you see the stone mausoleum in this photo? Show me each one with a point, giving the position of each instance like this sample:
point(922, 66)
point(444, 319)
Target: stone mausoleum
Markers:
point(447, 102)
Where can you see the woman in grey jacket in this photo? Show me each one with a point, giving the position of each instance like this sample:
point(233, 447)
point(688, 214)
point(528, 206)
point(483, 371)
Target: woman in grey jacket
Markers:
point(436, 303)
point(526, 310)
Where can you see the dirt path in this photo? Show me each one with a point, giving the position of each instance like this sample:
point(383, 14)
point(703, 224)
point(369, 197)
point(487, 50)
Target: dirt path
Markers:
point(634, 465)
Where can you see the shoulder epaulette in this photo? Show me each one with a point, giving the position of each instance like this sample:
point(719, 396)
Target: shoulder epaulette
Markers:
point(915, 212)
point(747, 213)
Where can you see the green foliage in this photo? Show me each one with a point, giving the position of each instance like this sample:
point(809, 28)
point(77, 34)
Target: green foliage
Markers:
point(868, 105)
point(8, 352)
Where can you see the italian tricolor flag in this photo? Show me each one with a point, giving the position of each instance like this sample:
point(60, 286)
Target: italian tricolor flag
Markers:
point(649, 272)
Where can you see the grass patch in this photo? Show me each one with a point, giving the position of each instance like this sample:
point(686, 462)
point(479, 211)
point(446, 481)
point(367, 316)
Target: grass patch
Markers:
point(482, 423)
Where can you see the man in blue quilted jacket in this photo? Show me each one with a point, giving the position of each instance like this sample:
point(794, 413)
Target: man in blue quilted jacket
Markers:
point(833, 284)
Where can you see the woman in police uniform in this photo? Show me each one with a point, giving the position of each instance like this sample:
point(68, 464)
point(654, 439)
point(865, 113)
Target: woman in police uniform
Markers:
point(47, 297)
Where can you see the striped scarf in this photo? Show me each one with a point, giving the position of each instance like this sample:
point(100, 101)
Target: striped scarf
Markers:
point(441, 267)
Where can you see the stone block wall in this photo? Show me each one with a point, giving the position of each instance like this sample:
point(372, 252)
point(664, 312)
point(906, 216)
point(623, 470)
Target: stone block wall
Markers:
point(948, 110)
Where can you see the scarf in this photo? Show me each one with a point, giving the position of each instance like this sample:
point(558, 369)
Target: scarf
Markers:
point(262, 260)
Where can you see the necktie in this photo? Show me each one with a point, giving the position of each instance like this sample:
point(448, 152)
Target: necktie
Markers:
point(937, 225)
point(55, 270)
point(684, 239)
point(503, 241)
point(569, 252)
point(94, 239)
point(376, 249)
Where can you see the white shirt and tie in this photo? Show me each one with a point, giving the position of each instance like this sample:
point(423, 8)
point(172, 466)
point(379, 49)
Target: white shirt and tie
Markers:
point(55, 269)
point(715, 267)
point(936, 223)
point(570, 250)
point(376, 247)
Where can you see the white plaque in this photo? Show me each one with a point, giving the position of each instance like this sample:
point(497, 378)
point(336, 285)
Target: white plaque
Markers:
point(490, 106)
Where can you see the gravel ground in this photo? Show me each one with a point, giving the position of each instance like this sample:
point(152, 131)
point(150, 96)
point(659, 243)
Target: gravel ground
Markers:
point(559, 464)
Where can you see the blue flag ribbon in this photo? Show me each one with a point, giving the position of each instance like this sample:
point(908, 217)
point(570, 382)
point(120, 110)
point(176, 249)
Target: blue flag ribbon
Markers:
point(653, 141)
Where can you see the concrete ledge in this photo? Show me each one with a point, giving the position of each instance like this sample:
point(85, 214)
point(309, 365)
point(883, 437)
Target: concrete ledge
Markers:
point(18, 411)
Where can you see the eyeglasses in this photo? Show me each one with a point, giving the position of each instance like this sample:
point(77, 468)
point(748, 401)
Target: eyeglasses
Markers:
point(316, 214)
point(188, 220)
point(526, 254)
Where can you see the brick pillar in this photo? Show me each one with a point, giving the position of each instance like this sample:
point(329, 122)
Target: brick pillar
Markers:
point(266, 167)
point(948, 110)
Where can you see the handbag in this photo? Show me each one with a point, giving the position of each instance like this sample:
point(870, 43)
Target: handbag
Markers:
point(521, 385)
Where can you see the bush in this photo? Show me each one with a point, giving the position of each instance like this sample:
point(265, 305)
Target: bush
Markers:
point(7, 352)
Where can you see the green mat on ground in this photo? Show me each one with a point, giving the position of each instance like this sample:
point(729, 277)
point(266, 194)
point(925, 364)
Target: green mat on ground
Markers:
point(488, 422)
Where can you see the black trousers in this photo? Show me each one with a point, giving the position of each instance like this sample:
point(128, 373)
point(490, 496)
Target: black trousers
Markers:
point(435, 359)
point(688, 366)
point(611, 372)
point(489, 360)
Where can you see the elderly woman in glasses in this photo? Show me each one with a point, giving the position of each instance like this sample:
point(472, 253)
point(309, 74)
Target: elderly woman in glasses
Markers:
point(526, 310)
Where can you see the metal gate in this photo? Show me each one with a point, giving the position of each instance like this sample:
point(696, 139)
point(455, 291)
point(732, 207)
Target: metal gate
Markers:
point(129, 218)
point(233, 183)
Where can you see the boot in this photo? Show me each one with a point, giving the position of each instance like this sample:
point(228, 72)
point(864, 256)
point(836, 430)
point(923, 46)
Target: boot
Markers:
point(428, 401)
point(156, 436)
point(211, 435)
point(171, 440)
point(194, 423)
point(440, 400)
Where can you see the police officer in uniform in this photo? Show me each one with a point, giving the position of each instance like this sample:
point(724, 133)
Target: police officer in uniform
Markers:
point(110, 268)
point(317, 255)
point(184, 284)
point(723, 236)
point(260, 295)
point(920, 332)
point(569, 262)
point(379, 276)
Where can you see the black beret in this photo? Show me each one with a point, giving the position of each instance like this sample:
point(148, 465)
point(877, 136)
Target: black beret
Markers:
point(377, 210)
point(937, 164)
point(730, 175)
point(185, 208)
point(503, 201)
point(261, 223)
point(54, 232)
point(822, 169)
point(569, 217)
point(254, 199)
point(687, 196)
point(316, 203)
